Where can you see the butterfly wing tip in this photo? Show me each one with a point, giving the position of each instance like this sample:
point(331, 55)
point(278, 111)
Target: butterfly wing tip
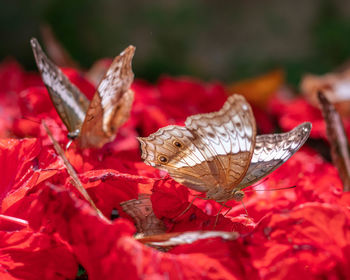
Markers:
point(33, 41)
point(306, 126)
point(131, 48)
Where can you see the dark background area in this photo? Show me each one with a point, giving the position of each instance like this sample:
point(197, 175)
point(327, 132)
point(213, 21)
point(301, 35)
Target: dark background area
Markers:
point(211, 40)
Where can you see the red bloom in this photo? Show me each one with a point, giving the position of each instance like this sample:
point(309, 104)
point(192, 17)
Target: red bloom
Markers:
point(311, 242)
point(25, 254)
point(29, 166)
point(119, 255)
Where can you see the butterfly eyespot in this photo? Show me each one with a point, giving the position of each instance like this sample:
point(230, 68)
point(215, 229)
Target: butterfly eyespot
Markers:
point(163, 159)
point(177, 144)
point(238, 124)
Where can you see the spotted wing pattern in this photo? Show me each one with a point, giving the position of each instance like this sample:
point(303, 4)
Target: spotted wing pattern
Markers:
point(142, 213)
point(211, 154)
point(111, 104)
point(69, 102)
point(272, 150)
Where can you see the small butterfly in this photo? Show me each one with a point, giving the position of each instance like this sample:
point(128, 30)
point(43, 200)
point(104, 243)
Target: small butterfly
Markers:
point(219, 153)
point(94, 123)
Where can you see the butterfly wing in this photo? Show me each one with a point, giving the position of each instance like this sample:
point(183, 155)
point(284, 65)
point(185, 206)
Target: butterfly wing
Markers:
point(272, 150)
point(171, 149)
point(213, 151)
point(111, 104)
point(227, 139)
point(167, 241)
point(142, 213)
point(70, 103)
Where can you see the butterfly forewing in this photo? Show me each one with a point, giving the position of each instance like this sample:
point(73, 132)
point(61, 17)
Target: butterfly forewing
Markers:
point(111, 104)
point(226, 139)
point(212, 153)
point(272, 150)
point(69, 102)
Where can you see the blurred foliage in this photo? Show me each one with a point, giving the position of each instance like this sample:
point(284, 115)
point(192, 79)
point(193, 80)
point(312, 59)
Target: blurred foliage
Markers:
point(224, 40)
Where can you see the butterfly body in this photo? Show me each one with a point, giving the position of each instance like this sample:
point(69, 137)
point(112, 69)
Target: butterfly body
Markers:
point(219, 153)
point(92, 123)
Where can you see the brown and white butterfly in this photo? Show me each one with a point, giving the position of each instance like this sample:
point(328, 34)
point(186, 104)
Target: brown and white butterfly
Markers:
point(219, 153)
point(93, 123)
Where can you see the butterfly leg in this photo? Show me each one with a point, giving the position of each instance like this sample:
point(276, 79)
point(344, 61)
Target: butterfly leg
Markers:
point(245, 209)
point(228, 210)
point(217, 215)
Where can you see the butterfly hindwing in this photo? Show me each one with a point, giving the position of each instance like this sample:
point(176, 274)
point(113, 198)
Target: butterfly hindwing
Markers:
point(272, 150)
point(142, 213)
point(69, 102)
point(111, 104)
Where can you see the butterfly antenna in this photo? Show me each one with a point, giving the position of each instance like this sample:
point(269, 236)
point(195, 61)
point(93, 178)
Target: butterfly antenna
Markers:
point(277, 189)
point(75, 179)
point(187, 208)
point(258, 183)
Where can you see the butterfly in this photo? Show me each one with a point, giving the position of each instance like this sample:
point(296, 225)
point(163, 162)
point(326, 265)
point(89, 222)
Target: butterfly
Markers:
point(92, 123)
point(219, 153)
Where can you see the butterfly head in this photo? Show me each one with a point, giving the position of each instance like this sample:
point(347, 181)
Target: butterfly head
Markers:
point(73, 134)
point(238, 195)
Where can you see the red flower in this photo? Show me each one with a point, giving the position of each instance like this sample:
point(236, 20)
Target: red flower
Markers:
point(25, 254)
point(108, 251)
point(311, 242)
point(24, 165)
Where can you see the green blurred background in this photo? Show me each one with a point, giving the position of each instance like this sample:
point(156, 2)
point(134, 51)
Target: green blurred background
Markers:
point(211, 40)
